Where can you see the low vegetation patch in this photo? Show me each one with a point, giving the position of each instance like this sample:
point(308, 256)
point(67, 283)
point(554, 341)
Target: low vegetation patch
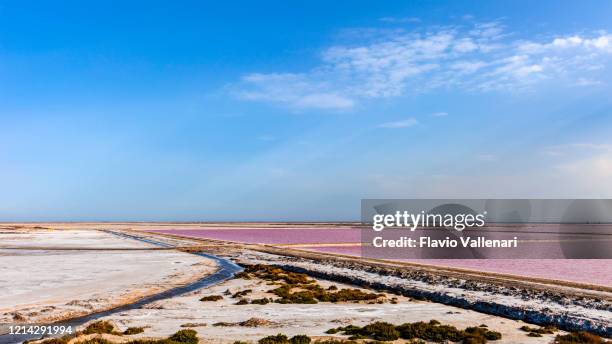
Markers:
point(242, 302)
point(538, 331)
point(378, 332)
point(100, 327)
point(133, 330)
point(274, 274)
point(185, 337)
point(255, 322)
point(95, 340)
point(580, 338)
point(431, 331)
point(262, 301)
point(106, 327)
point(211, 298)
point(282, 339)
point(194, 325)
point(300, 339)
point(242, 293)
point(252, 322)
point(62, 340)
point(297, 288)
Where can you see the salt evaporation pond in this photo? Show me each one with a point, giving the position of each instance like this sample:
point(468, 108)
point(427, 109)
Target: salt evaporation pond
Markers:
point(591, 271)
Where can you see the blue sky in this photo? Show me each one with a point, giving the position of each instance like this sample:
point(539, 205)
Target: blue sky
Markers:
point(296, 111)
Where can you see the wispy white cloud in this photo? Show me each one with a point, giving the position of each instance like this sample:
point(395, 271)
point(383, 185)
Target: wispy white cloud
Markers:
point(440, 114)
point(582, 82)
point(400, 20)
point(589, 147)
point(294, 90)
point(601, 42)
point(406, 123)
point(483, 57)
point(324, 101)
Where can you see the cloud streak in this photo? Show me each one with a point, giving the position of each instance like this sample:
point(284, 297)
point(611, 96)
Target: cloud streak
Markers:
point(482, 57)
point(439, 114)
point(406, 123)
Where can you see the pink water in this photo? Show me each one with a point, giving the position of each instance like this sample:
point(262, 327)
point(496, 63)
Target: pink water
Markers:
point(592, 271)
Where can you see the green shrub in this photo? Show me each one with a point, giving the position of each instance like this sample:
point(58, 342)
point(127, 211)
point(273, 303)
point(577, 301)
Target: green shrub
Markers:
point(482, 332)
point(431, 331)
point(350, 329)
point(243, 274)
point(539, 330)
point(315, 293)
point(300, 339)
point(242, 302)
point(380, 331)
point(62, 340)
point(185, 337)
point(278, 339)
point(580, 338)
point(133, 330)
point(344, 295)
point(301, 297)
point(95, 341)
point(474, 340)
point(271, 273)
point(241, 293)
point(211, 298)
point(262, 301)
point(100, 327)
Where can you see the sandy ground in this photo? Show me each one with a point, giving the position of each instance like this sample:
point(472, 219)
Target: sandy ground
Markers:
point(70, 239)
point(165, 317)
point(45, 284)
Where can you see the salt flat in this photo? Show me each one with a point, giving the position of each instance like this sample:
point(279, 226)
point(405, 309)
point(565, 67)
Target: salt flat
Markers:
point(46, 284)
point(165, 317)
point(71, 239)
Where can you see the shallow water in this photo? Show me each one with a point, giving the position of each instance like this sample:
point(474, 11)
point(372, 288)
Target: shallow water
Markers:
point(591, 271)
